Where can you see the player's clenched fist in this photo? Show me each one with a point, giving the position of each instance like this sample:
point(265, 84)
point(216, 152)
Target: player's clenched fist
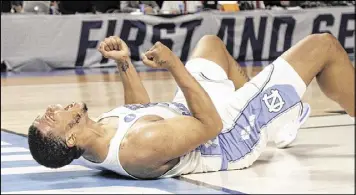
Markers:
point(114, 48)
point(159, 56)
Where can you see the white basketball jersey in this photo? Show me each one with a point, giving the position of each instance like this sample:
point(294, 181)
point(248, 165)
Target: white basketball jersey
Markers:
point(191, 162)
point(268, 102)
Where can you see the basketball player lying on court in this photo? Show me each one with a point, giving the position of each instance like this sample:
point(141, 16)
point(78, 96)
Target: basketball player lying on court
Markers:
point(218, 120)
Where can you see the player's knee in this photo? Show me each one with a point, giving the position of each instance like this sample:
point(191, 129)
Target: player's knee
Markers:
point(324, 40)
point(329, 39)
point(211, 39)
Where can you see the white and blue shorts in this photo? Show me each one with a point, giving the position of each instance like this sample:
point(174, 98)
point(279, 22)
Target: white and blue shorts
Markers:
point(251, 114)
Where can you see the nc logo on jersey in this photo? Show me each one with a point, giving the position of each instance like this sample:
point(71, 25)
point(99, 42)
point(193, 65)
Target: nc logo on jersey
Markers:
point(129, 118)
point(273, 101)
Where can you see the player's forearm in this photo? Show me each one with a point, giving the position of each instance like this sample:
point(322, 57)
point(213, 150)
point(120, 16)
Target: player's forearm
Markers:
point(134, 91)
point(125, 7)
point(199, 102)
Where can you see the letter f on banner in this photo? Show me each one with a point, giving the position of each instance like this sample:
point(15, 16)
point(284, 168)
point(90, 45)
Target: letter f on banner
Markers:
point(84, 42)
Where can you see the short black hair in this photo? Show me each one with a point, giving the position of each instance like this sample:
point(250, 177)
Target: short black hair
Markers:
point(51, 151)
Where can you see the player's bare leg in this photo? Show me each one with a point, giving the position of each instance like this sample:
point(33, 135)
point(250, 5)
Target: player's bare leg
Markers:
point(323, 57)
point(211, 47)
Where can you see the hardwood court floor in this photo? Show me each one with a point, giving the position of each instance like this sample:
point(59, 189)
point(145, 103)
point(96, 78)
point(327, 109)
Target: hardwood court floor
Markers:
point(321, 160)
point(23, 98)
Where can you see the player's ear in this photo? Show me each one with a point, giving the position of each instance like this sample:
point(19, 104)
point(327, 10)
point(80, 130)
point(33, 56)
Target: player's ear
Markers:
point(71, 140)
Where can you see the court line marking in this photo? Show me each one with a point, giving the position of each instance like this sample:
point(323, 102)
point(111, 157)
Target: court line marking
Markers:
point(327, 121)
point(214, 187)
point(110, 69)
point(10, 164)
point(98, 190)
point(4, 143)
point(327, 126)
point(13, 150)
point(8, 171)
point(226, 190)
point(343, 116)
point(7, 158)
point(346, 120)
point(41, 169)
point(13, 133)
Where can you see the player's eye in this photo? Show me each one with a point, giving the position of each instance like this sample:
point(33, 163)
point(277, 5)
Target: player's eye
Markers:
point(69, 106)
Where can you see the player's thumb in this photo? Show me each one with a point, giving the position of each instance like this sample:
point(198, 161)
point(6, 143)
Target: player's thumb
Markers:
point(147, 62)
point(104, 52)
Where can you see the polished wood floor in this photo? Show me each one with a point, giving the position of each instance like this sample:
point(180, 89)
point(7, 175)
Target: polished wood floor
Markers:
point(23, 98)
point(320, 161)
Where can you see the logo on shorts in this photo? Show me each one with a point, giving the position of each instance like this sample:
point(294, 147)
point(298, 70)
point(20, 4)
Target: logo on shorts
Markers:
point(245, 133)
point(273, 101)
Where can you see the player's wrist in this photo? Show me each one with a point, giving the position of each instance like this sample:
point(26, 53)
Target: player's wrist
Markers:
point(123, 63)
point(175, 64)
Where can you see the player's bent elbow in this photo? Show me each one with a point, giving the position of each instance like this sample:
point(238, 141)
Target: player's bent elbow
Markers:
point(219, 126)
point(218, 123)
point(215, 127)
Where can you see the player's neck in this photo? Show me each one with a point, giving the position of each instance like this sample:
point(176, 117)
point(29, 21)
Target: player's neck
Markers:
point(97, 141)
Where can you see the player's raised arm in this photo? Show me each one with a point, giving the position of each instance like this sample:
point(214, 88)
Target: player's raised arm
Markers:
point(162, 141)
point(115, 48)
point(199, 102)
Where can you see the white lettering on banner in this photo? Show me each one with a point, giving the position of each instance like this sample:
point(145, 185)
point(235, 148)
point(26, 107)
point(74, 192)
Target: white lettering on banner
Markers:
point(71, 40)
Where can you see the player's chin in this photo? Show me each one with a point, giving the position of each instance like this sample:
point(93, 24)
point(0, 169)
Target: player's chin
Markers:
point(84, 107)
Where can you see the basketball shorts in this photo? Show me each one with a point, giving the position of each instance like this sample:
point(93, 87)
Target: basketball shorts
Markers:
point(252, 114)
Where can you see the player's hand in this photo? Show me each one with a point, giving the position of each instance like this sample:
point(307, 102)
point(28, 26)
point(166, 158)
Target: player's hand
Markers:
point(159, 56)
point(114, 48)
point(148, 10)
